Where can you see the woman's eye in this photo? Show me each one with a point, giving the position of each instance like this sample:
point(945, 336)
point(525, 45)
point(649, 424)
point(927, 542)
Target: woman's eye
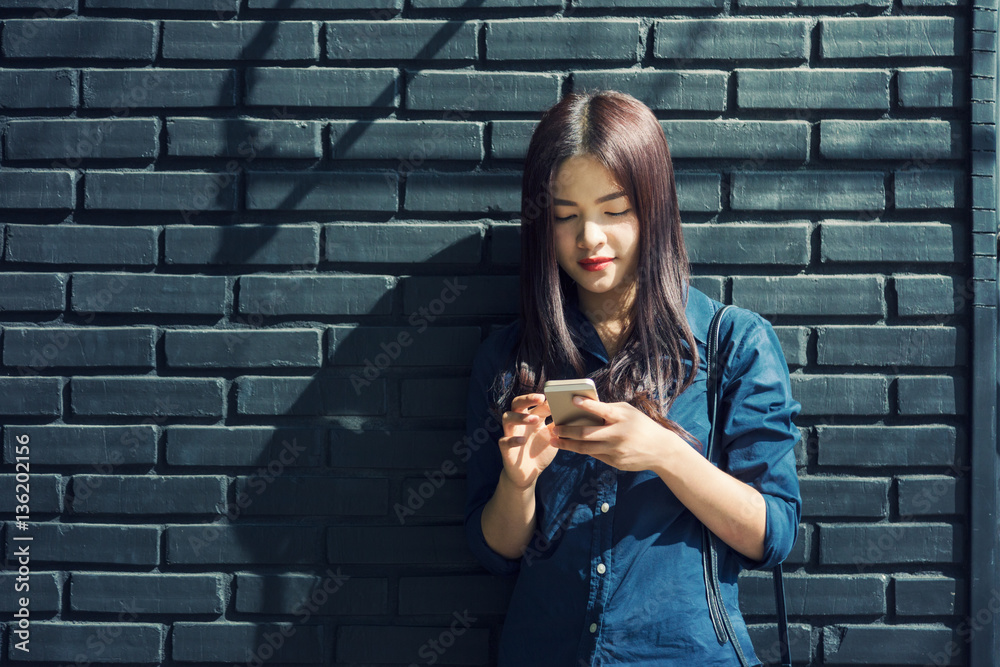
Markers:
point(567, 217)
point(564, 218)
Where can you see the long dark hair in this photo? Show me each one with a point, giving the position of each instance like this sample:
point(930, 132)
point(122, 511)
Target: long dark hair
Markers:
point(624, 135)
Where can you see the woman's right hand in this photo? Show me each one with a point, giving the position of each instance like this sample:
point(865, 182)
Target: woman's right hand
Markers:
point(526, 445)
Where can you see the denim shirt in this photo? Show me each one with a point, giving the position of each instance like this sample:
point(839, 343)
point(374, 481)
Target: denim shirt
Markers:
point(613, 573)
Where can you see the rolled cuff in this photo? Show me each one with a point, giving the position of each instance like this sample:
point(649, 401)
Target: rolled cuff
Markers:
point(495, 562)
point(781, 529)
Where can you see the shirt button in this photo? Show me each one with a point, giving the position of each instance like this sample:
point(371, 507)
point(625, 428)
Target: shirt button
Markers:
point(601, 569)
point(593, 627)
point(605, 507)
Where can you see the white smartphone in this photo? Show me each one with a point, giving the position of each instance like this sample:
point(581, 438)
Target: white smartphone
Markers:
point(560, 393)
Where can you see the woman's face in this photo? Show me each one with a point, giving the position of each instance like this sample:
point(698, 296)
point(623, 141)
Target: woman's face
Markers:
point(591, 221)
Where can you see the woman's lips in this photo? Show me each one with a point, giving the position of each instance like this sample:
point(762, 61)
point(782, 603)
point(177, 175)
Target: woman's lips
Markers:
point(596, 266)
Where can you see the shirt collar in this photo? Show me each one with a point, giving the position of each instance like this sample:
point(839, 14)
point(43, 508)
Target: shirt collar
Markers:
point(698, 310)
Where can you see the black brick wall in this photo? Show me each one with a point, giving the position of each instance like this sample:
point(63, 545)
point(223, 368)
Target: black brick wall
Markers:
point(250, 248)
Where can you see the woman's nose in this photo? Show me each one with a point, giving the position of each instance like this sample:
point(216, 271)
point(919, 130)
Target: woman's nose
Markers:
point(591, 233)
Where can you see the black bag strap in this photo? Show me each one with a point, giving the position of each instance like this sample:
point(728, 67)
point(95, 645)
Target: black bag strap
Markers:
point(720, 615)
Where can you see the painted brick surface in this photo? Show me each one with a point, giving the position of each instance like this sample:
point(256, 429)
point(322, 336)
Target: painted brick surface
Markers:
point(249, 251)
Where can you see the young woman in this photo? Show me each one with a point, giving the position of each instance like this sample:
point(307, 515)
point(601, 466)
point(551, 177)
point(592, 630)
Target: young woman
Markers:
point(602, 524)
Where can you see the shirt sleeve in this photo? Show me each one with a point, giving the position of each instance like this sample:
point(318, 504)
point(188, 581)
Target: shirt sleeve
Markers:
point(759, 435)
point(485, 464)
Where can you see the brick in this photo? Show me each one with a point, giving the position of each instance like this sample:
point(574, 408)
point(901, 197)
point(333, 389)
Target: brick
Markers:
point(888, 37)
point(885, 139)
point(45, 491)
point(765, 639)
point(813, 4)
point(682, 90)
point(382, 347)
point(699, 192)
point(878, 446)
point(718, 39)
point(65, 642)
point(125, 39)
point(890, 242)
point(808, 191)
point(81, 244)
point(243, 544)
point(890, 346)
point(37, 189)
point(90, 543)
point(160, 191)
point(738, 139)
point(509, 138)
point(321, 191)
point(269, 245)
point(159, 87)
point(926, 87)
point(430, 496)
point(918, 295)
point(438, 397)
point(931, 395)
point(316, 295)
point(413, 141)
point(392, 6)
point(36, 396)
point(786, 243)
point(841, 394)
point(401, 39)
point(817, 594)
point(482, 4)
point(505, 244)
point(148, 494)
point(407, 242)
point(147, 396)
point(828, 496)
point(39, 88)
point(480, 594)
point(932, 495)
point(82, 139)
point(243, 348)
point(928, 188)
point(44, 589)
point(244, 446)
point(42, 348)
point(827, 88)
point(481, 91)
point(146, 593)
point(246, 138)
point(322, 87)
point(794, 342)
point(562, 39)
point(233, 642)
point(423, 545)
point(684, 4)
point(811, 295)
point(710, 285)
point(335, 593)
point(928, 595)
point(32, 291)
point(426, 298)
point(97, 446)
point(296, 495)
point(890, 543)
point(399, 449)
point(866, 645)
point(241, 40)
point(219, 7)
point(320, 395)
point(389, 644)
point(147, 293)
point(474, 192)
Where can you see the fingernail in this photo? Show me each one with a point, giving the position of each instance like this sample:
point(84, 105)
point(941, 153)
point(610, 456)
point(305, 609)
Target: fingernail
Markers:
point(578, 399)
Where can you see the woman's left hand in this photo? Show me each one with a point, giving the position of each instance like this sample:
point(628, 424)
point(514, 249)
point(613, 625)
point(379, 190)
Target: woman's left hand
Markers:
point(628, 439)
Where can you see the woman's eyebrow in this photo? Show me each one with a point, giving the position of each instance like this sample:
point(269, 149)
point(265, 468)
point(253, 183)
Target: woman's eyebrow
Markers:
point(613, 195)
